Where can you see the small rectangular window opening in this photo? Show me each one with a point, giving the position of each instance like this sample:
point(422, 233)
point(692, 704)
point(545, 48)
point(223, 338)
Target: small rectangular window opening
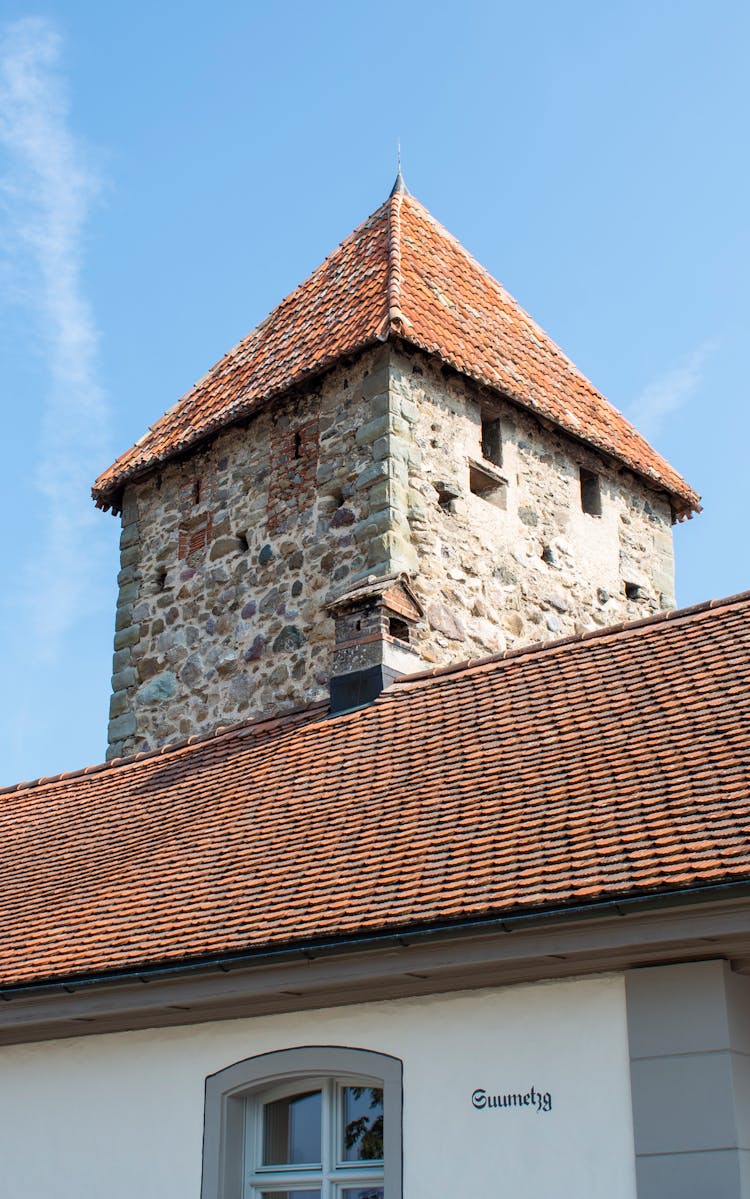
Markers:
point(483, 484)
point(591, 493)
point(297, 445)
point(492, 440)
point(633, 591)
point(197, 491)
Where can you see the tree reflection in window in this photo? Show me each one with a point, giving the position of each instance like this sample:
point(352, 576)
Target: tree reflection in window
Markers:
point(363, 1124)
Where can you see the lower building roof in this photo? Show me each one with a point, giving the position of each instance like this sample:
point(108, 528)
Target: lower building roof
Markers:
point(607, 766)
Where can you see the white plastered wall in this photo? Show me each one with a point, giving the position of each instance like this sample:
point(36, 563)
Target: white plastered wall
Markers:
point(121, 1115)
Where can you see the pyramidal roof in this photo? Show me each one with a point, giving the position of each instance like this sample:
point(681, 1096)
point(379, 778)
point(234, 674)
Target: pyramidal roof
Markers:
point(399, 275)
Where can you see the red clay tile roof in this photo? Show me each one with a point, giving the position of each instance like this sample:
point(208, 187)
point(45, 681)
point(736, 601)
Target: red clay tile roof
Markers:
point(607, 766)
point(400, 274)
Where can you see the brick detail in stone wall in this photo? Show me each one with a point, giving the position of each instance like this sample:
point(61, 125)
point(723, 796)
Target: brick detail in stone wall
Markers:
point(195, 537)
point(240, 628)
point(293, 473)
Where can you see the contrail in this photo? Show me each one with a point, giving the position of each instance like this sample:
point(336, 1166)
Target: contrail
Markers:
point(46, 190)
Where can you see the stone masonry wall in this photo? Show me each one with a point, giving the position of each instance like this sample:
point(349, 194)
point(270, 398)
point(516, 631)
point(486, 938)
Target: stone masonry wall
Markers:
point(227, 557)
point(523, 563)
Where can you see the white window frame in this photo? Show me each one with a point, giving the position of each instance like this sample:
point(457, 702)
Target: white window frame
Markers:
point(333, 1173)
point(234, 1095)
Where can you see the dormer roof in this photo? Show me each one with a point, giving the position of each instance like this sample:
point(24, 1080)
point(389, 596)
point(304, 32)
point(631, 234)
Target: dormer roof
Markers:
point(402, 276)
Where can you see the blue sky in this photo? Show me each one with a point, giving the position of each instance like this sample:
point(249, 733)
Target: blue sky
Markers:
point(168, 173)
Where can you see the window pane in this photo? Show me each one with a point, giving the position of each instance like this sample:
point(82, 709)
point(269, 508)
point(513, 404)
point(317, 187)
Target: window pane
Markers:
point(363, 1125)
point(301, 1195)
point(291, 1130)
point(366, 1192)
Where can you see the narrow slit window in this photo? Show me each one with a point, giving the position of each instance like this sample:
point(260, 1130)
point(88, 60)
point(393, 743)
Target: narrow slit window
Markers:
point(297, 445)
point(591, 493)
point(492, 440)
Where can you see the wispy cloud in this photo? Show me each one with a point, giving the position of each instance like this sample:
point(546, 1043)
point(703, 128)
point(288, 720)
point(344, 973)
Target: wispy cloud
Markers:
point(47, 189)
point(669, 392)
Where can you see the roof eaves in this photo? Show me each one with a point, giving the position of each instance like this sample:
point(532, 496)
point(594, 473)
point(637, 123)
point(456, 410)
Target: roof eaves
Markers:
point(635, 901)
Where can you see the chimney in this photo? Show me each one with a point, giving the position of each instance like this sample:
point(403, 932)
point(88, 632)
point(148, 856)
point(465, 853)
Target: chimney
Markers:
point(376, 621)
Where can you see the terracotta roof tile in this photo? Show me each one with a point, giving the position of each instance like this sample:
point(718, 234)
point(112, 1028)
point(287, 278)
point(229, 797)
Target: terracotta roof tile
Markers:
point(541, 779)
point(400, 274)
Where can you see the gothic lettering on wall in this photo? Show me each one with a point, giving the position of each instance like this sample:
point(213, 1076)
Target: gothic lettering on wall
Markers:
point(539, 1101)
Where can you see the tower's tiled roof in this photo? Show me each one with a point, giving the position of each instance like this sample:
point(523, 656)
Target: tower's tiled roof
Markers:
point(400, 274)
point(604, 767)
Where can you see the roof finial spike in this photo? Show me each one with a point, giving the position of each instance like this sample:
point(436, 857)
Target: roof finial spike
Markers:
point(399, 186)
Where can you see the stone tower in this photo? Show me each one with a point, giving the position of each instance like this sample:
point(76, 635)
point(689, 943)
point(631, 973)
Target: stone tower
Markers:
point(396, 468)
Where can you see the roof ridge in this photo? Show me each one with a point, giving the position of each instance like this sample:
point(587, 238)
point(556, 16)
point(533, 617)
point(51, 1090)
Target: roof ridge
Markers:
point(624, 627)
point(395, 321)
point(224, 731)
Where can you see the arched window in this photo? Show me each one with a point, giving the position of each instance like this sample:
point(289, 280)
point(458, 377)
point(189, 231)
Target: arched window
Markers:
point(318, 1122)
